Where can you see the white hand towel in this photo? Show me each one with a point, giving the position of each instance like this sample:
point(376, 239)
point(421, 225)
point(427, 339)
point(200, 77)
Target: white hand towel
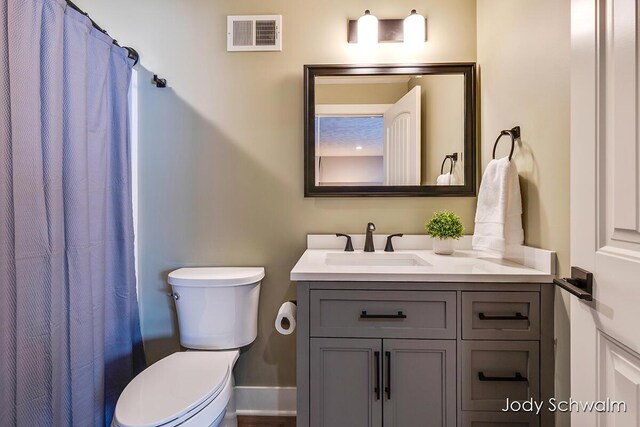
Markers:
point(446, 179)
point(499, 212)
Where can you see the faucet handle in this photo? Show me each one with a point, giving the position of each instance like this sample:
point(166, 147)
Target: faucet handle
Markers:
point(349, 245)
point(389, 245)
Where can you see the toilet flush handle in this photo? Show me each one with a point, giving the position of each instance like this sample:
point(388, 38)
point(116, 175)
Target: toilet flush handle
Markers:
point(174, 295)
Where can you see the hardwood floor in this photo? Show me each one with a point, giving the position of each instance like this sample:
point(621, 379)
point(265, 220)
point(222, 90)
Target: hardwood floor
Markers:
point(248, 421)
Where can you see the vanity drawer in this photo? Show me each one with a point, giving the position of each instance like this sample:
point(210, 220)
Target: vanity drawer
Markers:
point(494, 371)
point(499, 419)
point(383, 314)
point(500, 315)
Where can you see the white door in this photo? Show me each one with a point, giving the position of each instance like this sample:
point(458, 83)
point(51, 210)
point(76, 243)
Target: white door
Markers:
point(605, 209)
point(402, 140)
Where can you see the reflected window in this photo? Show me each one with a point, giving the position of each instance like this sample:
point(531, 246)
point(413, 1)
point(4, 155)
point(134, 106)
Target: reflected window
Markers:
point(350, 150)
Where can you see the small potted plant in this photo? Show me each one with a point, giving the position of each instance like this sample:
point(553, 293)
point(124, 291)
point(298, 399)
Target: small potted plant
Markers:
point(444, 227)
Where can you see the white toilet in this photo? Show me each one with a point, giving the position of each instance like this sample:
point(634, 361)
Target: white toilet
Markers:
point(217, 311)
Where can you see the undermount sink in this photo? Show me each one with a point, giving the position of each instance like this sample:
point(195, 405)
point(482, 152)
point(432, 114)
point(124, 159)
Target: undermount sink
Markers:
point(375, 259)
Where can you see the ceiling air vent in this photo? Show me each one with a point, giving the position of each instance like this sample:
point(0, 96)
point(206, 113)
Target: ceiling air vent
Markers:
point(254, 33)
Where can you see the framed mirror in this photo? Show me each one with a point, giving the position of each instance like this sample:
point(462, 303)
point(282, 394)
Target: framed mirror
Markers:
point(390, 130)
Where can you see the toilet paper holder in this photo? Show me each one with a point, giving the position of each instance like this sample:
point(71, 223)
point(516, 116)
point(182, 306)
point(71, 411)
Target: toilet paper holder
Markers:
point(285, 322)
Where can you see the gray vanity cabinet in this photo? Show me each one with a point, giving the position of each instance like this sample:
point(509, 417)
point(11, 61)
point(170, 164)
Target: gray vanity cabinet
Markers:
point(496, 370)
point(353, 382)
point(498, 419)
point(345, 382)
point(423, 354)
point(419, 383)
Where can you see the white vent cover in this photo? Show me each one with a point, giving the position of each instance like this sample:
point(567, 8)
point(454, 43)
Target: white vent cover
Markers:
point(254, 33)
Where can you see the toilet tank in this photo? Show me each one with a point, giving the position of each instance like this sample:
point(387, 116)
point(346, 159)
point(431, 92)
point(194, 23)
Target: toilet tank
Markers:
point(217, 307)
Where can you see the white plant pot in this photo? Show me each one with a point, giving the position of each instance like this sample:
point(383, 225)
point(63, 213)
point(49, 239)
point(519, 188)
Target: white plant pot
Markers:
point(443, 246)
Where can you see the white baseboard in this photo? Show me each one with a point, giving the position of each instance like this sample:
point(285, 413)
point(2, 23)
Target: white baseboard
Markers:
point(265, 401)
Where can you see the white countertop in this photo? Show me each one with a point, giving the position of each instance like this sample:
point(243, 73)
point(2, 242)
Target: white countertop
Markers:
point(523, 265)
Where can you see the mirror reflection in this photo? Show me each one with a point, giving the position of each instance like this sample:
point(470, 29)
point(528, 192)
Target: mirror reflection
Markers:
point(389, 130)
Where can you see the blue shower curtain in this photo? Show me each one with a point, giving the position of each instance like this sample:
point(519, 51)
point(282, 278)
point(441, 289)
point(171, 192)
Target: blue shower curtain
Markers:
point(69, 325)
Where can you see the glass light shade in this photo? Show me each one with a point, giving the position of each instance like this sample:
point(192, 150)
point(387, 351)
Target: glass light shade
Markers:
point(367, 29)
point(414, 28)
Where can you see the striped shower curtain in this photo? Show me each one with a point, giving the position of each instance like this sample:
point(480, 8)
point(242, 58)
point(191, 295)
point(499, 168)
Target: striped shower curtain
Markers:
point(69, 325)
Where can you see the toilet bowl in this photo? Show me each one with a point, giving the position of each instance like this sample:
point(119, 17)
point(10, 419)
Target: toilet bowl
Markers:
point(217, 313)
point(191, 388)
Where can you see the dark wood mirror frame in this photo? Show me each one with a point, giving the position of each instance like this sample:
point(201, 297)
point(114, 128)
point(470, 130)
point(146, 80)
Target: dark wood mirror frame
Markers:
point(466, 69)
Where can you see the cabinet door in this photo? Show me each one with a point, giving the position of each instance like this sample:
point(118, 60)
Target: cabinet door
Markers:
point(419, 383)
point(345, 382)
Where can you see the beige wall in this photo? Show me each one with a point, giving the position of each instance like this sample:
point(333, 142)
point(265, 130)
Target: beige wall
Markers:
point(523, 56)
point(221, 149)
point(378, 93)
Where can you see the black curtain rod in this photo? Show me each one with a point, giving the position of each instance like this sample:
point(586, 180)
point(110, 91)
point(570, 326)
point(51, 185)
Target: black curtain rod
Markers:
point(133, 54)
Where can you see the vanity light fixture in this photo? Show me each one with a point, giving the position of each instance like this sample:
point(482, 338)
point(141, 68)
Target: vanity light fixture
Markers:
point(414, 28)
point(367, 29)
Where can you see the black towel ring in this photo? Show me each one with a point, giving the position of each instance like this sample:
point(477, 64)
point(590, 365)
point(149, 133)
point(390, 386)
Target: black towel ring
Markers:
point(453, 157)
point(514, 133)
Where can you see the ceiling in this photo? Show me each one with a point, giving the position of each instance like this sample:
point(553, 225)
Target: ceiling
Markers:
point(350, 136)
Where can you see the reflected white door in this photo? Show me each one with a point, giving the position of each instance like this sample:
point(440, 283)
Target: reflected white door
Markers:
point(605, 208)
point(402, 140)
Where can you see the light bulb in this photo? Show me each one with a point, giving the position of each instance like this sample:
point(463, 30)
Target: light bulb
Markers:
point(367, 29)
point(414, 29)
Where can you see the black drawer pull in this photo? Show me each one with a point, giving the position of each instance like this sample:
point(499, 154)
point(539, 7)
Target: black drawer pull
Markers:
point(518, 316)
point(387, 389)
point(516, 378)
point(376, 390)
point(400, 315)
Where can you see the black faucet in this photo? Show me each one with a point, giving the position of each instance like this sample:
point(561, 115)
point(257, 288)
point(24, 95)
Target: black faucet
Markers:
point(368, 241)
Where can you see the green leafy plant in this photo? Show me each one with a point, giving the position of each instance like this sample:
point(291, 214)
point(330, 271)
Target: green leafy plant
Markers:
point(444, 225)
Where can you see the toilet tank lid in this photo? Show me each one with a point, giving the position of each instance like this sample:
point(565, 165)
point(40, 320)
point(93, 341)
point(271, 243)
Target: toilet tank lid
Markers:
point(216, 276)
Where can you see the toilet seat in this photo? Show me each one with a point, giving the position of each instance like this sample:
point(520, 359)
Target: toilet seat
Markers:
point(175, 389)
